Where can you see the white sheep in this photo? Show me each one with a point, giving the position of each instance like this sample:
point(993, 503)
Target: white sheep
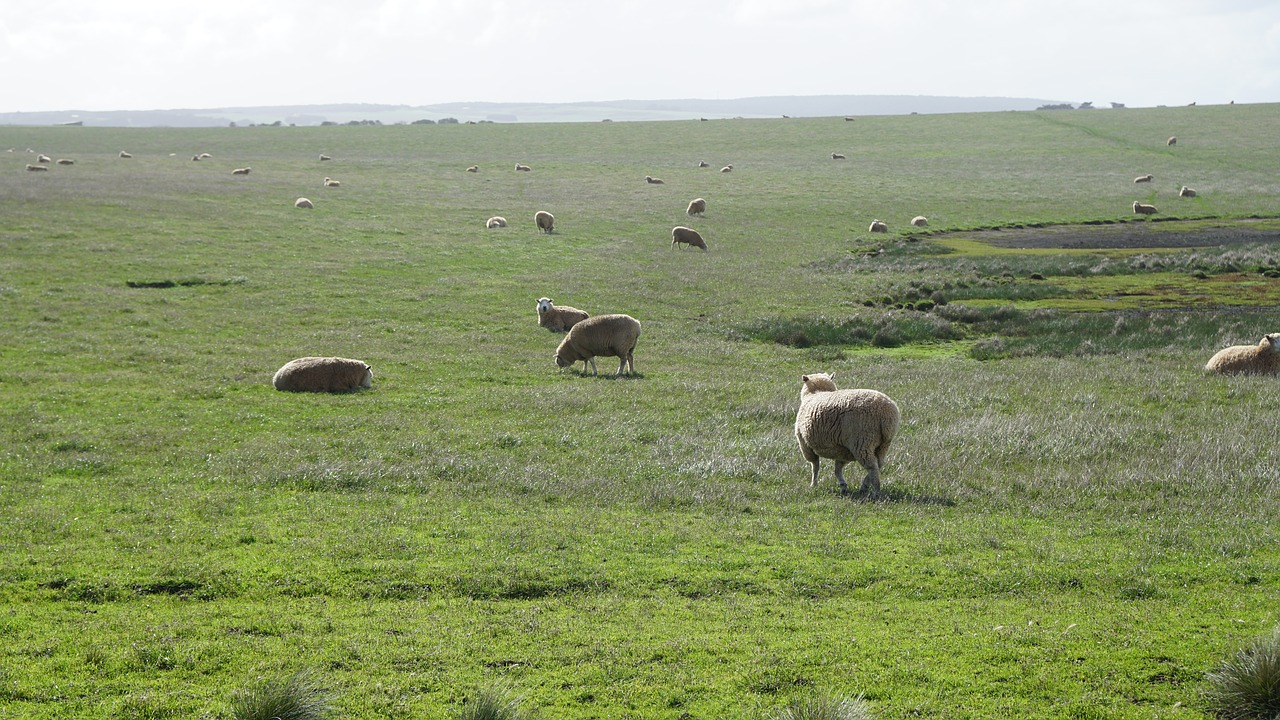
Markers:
point(703, 163)
point(1171, 141)
point(545, 221)
point(603, 335)
point(1144, 209)
point(1260, 359)
point(697, 206)
point(523, 168)
point(495, 222)
point(36, 168)
point(303, 203)
point(323, 374)
point(845, 426)
point(878, 226)
point(920, 221)
point(687, 236)
point(474, 169)
point(204, 156)
point(324, 157)
point(837, 156)
point(727, 168)
point(241, 171)
point(66, 161)
point(330, 182)
point(43, 159)
point(124, 154)
point(652, 180)
point(1186, 192)
point(1144, 178)
point(559, 318)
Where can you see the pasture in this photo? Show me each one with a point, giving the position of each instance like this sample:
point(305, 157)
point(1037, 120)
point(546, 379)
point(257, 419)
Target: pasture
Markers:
point(1077, 522)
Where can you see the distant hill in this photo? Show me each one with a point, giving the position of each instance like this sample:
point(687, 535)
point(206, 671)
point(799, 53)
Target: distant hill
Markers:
point(620, 110)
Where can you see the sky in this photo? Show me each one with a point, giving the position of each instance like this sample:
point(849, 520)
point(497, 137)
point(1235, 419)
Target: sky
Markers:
point(167, 54)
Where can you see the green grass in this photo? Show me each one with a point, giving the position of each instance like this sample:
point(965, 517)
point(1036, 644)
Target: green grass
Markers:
point(1078, 524)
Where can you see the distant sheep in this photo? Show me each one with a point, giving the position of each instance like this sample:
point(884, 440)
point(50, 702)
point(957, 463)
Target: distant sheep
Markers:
point(495, 222)
point(603, 335)
point(1144, 209)
point(523, 168)
point(36, 168)
point(204, 156)
point(323, 374)
point(124, 154)
point(303, 203)
point(697, 206)
point(1144, 178)
point(241, 171)
point(703, 163)
point(195, 158)
point(1186, 192)
point(66, 161)
point(845, 426)
point(920, 221)
point(652, 180)
point(43, 159)
point(837, 156)
point(474, 169)
point(687, 236)
point(1260, 359)
point(878, 226)
point(559, 318)
point(324, 157)
point(1171, 141)
point(545, 221)
point(330, 182)
point(727, 168)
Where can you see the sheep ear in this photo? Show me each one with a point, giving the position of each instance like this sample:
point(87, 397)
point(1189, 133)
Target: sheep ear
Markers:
point(804, 378)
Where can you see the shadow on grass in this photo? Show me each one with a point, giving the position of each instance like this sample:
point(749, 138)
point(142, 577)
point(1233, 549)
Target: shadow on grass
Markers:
point(899, 496)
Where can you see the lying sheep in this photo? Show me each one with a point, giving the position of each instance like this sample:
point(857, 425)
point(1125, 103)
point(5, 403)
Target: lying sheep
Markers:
point(878, 226)
point(687, 236)
point(66, 161)
point(1143, 208)
point(703, 163)
point(324, 157)
point(495, 222)
point(303, 203)
point(323, 374)
point(727, 168)
point(603, 335)
point(1144, 178)
point(1260, 359)
point(330, 182)
point(920, 221)
point(697, 206)
point(652, 180)
point(523, 168)
point(837, 156)
point(241, 171)
point(43, 159)
point(36, 168)
point(204, 156)
point(1186, 192)
point(474, 169)
point(124, 154)
point(845, 426)
point(1171, 141)
point(545, 221)
point(558, 318)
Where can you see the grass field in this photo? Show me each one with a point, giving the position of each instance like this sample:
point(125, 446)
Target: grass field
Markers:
point(1078, 523)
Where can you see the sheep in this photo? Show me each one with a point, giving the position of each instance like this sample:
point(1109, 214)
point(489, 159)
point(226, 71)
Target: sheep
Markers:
point(324, 157)
point(495, 222)
point(703, 163)
point(545, 221)
point(1144, 178)
point(1186, 192)
point(36, 168)
point(204, 156)
point(727, 168)
point(1171, 141)
point(330, 182)
point(837, 156)
point(241, 171)
point(323, 374)
point(474, 169)
point(697, 206)
point(124, 154)
point(920, 221)
point(878, 226)
point(523, 168)
point(652, 180)
point(195, 158)
point(604, 335)
point(845, 426)
point(43, 159)
point(1260, 359)
point(303, 203)
point(687, 236)
point(66, 161)
point(1144, 209)
point(559, 318)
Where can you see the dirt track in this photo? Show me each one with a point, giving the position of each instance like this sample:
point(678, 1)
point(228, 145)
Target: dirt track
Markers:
point(1127, 235)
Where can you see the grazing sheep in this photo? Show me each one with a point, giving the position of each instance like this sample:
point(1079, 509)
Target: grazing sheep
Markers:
point(1260, 359)
point(474, 168)
point(652, 180)
point(323, 374)
point(845, 426)
point(124, 154)
point(324, 157)
point(687, 236)
point(36, 168)
point(1144, 209)
point(523, 168)
point(1144, 178)
point(920, 221)
point(1171, 141)
point(545, 221)
point(697, 206)
point(603, 335)
point(837, 156)
point(559, 318)
point(330, 182)
point(727, 168)
point(1186, 192)
point(495, 222)
point(303, 203)
point(43, 159)
point(878, 226)
point(66, 161)
point(241, 171)
point(703, 163)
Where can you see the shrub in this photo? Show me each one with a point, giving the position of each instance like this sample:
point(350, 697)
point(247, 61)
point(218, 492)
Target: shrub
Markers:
point(823, 707)
point(1247, 685)
point(297, 697)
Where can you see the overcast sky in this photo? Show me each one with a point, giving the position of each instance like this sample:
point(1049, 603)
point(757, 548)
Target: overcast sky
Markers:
point(164, 54)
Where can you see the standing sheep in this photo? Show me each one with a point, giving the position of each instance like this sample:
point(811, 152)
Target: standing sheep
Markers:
point(1143, 208)
point(697, 206)
point(845, 426)
point(1260, 359)
point(1144, 178)
point(323, 374)
point(920, 221)
point(558, 318)
point(495, 222)
point(1171, 141)
point(878, 226)
point(687, 236)
point(545, 221)
point(603, 335)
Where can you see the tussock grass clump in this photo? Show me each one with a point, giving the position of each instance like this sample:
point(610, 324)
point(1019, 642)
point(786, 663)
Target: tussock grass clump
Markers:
point(498, 701)
point(297, 697)
point(823, 707)
point(886, 329)
point(1247, 685)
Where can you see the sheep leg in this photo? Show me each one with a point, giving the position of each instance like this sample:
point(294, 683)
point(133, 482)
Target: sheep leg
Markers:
point(591, 360)
point(844, 487)
point(814, 461)
point(871, 483)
